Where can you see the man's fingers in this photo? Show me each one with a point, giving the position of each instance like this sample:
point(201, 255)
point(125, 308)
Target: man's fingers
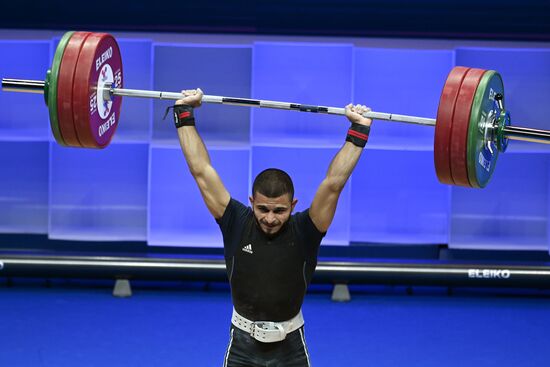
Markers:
point(192, 97)
point(191, 92)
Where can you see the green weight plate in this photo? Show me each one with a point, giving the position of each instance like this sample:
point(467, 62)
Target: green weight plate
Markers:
point(481, 157)
point(52, 87)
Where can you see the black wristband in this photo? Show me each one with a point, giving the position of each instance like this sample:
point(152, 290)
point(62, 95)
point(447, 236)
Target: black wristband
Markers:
point(183, 115)
point(358, 134)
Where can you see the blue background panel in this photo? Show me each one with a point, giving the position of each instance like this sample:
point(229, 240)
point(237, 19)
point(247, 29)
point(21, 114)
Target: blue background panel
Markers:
point(396, 198)
point(510, 213)
point(317, 74)
point(401, 81)
point(526, 84)
point(103, 194)
point(217, 70)
point(24, 116)
point(99, 195)
point(307, 167)
point(177, 213)
point(24, 187)
point(135, 115)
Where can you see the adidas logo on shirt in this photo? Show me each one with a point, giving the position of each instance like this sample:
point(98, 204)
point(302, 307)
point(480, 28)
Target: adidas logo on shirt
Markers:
point(248, 248)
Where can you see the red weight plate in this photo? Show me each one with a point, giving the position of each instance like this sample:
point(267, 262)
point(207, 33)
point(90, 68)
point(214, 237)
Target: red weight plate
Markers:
point(65, 88)
point(99, 62)
point(444, 123)
point(461, 122)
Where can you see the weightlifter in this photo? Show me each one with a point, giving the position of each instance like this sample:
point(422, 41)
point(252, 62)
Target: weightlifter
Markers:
point(270, 253)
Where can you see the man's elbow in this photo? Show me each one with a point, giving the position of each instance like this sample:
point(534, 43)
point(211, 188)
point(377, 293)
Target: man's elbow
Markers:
point(335, 184)
point(197, 169)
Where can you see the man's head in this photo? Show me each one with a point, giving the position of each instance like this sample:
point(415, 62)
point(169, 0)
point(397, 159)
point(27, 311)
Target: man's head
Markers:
point(272, 199)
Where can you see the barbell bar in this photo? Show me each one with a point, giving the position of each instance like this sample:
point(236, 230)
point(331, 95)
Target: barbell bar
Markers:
point(510, 132)
point(37, 86)
point(83, 91)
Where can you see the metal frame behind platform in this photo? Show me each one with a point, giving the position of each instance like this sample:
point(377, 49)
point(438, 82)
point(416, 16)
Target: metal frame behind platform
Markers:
point(394, 273)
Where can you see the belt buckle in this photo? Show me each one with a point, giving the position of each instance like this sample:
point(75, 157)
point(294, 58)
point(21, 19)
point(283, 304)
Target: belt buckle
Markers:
point(268, 328)
point(253, 328)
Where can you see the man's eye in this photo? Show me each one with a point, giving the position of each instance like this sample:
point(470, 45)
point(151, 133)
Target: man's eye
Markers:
point(279, 211)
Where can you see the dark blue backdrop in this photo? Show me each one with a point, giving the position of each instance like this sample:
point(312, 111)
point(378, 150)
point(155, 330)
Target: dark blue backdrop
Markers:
point(504, 19)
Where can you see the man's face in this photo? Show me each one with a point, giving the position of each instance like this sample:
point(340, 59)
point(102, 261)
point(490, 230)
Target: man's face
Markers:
point(272, 213)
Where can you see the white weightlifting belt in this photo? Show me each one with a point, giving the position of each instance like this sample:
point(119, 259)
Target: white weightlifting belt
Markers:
point(267, 331)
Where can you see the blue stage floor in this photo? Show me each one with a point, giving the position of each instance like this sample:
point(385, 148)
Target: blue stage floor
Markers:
point(84, 325)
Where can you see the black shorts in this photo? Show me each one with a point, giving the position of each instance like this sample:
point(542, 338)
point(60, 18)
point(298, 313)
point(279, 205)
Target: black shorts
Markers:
point(245, 351)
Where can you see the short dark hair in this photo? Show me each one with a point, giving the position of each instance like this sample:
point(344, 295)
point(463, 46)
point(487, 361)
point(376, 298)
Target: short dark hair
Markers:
point(273, 182)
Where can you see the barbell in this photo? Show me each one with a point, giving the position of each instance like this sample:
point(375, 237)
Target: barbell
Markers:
point(84, 86)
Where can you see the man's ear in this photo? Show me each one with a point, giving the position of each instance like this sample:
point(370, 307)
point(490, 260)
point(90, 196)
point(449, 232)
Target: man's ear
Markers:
point(294, 202)
point(251, 198)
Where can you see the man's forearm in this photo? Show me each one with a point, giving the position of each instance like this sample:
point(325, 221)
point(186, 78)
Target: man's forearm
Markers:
point(194, 150)
point(342, 166)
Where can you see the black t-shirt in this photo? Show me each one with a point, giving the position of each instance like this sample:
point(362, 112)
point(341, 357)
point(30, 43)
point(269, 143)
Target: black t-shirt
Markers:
point(268, 276)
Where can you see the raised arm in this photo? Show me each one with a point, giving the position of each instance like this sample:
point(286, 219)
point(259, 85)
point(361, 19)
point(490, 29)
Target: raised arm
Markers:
point(324, 203)
point(214, 193)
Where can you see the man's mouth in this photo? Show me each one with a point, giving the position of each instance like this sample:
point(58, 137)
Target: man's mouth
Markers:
point(270, 226)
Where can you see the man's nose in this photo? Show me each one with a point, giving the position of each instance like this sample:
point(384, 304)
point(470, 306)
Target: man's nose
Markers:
point(270, 218)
